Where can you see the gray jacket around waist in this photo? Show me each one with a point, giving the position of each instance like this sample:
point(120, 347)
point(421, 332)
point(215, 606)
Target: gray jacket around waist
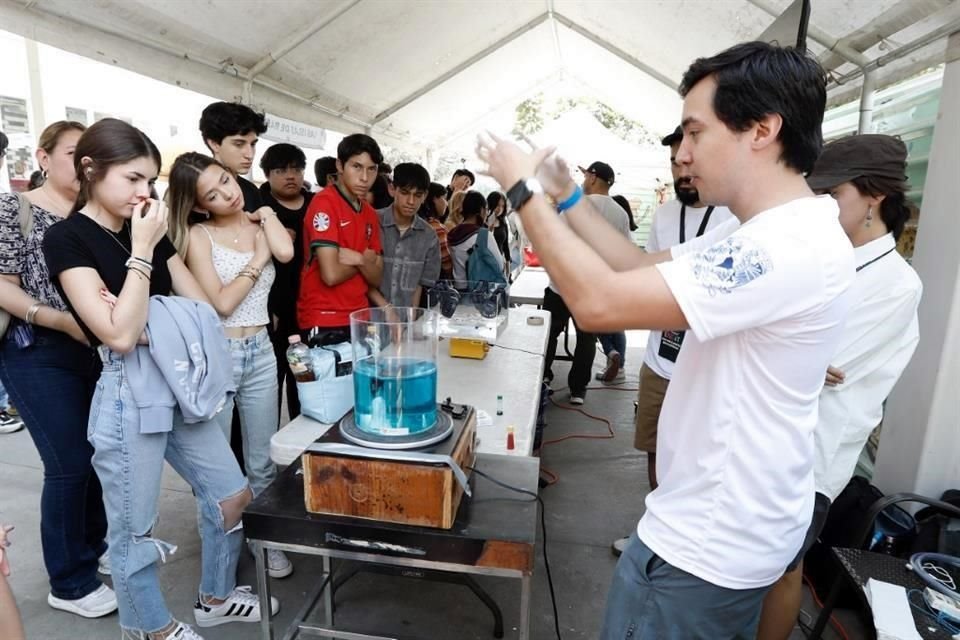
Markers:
point(187, 364)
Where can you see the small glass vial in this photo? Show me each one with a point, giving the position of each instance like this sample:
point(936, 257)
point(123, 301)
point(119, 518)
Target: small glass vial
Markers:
point(499, 405)
point(511, 440)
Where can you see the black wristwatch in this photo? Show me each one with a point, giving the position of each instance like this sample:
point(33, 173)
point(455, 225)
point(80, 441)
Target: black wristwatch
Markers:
point(520, 193)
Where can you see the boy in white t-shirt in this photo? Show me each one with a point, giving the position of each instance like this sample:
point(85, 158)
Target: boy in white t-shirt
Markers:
point(764, 305)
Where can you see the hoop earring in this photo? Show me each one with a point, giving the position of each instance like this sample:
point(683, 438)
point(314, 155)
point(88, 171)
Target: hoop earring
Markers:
point(44, 174)
point(869, 214)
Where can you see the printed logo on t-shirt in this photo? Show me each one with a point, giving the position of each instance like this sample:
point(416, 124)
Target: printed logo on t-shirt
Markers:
point(321, 221)
point(729, 264)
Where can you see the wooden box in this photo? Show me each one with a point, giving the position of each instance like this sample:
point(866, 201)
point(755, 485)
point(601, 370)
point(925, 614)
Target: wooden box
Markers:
point(414, 493)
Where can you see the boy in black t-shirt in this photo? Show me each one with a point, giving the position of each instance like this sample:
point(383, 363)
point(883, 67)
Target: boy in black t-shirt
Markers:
point(284, 164)
point(231, 131)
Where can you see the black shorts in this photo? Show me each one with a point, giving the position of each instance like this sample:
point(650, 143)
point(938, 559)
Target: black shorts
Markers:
point(821, 507)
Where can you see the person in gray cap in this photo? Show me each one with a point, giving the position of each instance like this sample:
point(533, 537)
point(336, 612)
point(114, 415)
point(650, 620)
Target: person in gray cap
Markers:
point(865, 175)
point(597, 180)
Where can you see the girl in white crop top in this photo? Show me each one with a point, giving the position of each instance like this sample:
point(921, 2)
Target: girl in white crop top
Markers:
point(231, 256)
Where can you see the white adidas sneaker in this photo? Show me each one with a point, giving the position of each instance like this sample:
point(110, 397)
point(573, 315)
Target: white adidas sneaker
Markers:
point(240, 606)
point(180, 632)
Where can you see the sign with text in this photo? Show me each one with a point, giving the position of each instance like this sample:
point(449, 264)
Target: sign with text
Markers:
point(303, 135)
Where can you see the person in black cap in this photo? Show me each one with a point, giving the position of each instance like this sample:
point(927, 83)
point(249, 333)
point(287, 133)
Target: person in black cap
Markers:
point(865, 174)
point(673, 223)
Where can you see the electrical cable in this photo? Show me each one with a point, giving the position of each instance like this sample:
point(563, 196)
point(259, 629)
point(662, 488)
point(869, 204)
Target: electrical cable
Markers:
point(543, 529)
point(533, 353)
point(833, 620)
point(581, 436)
point(944, 621)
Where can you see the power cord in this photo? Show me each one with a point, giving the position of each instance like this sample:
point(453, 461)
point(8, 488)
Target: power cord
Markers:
point(543, 529)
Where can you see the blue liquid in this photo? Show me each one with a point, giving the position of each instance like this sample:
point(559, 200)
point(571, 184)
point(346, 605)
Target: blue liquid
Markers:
point(397, 396)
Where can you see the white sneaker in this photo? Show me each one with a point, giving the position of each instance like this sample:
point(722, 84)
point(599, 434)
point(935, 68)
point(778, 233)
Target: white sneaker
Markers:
point(9, 424)
point(240, 606)
point(576, 400)
point(278, 565)
point(93, 605)
point(103, 564)
point(180, 632)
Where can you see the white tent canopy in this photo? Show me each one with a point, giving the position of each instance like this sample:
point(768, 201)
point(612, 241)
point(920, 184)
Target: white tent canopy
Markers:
point(429, 73)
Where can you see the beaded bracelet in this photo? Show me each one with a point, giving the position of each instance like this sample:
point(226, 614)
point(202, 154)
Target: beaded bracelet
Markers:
point(138, 269)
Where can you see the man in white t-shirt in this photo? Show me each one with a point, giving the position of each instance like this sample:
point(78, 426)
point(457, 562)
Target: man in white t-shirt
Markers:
point(674, 222)
point(764, 304)
point(597, 180)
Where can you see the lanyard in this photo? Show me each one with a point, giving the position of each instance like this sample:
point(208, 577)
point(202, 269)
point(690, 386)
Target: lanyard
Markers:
point(870, 262)
point(683, 222)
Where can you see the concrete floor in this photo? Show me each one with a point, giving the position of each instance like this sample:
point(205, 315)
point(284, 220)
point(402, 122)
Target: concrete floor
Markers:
point(598, 498)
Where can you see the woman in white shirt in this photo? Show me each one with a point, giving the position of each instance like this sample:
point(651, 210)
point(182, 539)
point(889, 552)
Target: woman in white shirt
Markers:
point(865, 174)
point(231, 256)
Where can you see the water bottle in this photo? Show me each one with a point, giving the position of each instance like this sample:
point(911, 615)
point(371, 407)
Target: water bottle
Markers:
point(298, 357)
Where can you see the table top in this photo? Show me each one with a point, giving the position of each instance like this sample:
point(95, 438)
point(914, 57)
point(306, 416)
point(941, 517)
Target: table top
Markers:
point(863, 565)
point(528, 287)
point(492, 515)
point(513, 368)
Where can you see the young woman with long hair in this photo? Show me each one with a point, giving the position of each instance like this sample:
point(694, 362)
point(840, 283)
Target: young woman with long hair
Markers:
point(231, 256)
point(107, 259)
point(53, 361)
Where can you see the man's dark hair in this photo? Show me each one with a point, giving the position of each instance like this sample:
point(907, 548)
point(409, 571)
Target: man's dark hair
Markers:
point(357, 143)
point(385, 168)
point(473, 205)
point(466, 172)
point(410, 175)
point(222, 119)
point(323, 167)
point(380, 191)
point(755, 79)
point(283, 156)
point(4, 142)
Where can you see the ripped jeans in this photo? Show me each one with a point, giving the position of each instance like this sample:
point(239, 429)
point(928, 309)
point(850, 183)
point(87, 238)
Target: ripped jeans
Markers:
point(129, 465)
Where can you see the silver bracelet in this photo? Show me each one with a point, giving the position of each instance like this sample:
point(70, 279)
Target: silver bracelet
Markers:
point(32, 312)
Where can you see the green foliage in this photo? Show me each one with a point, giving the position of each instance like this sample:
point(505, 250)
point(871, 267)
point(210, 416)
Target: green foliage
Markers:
point(531, 114)
point(529, 118)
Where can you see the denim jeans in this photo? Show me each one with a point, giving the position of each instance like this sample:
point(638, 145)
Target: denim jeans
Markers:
point(4, 399)
point(255, 374)
point(51, 384)
point(614, 342)
point(651, 599)
point(130, 465)
point(582, 368)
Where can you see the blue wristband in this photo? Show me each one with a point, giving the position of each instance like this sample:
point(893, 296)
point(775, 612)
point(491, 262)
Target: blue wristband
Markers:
point(571, 201)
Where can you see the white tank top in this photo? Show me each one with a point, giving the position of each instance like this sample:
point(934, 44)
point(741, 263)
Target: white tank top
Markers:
point(252, 312)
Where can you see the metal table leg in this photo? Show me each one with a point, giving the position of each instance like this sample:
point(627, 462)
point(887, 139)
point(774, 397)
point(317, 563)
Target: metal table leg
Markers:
point(525, 583)
point(328, 592)
point(263, 590)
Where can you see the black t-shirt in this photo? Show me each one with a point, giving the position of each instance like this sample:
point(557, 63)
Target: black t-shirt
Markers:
point(286, 286)
point(79, 241)
point(251, 195)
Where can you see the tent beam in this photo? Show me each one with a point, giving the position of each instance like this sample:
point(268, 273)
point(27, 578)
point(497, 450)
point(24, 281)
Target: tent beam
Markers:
point(466, 64)
point(617, 51)
point(297, 38)
point(222, 80)
point(819, 36)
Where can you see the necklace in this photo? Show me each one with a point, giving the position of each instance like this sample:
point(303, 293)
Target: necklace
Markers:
point(236, 238)
point(114, 237)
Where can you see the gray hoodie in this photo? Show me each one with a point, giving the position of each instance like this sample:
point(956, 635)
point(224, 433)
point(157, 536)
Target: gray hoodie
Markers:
point(187, 364)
